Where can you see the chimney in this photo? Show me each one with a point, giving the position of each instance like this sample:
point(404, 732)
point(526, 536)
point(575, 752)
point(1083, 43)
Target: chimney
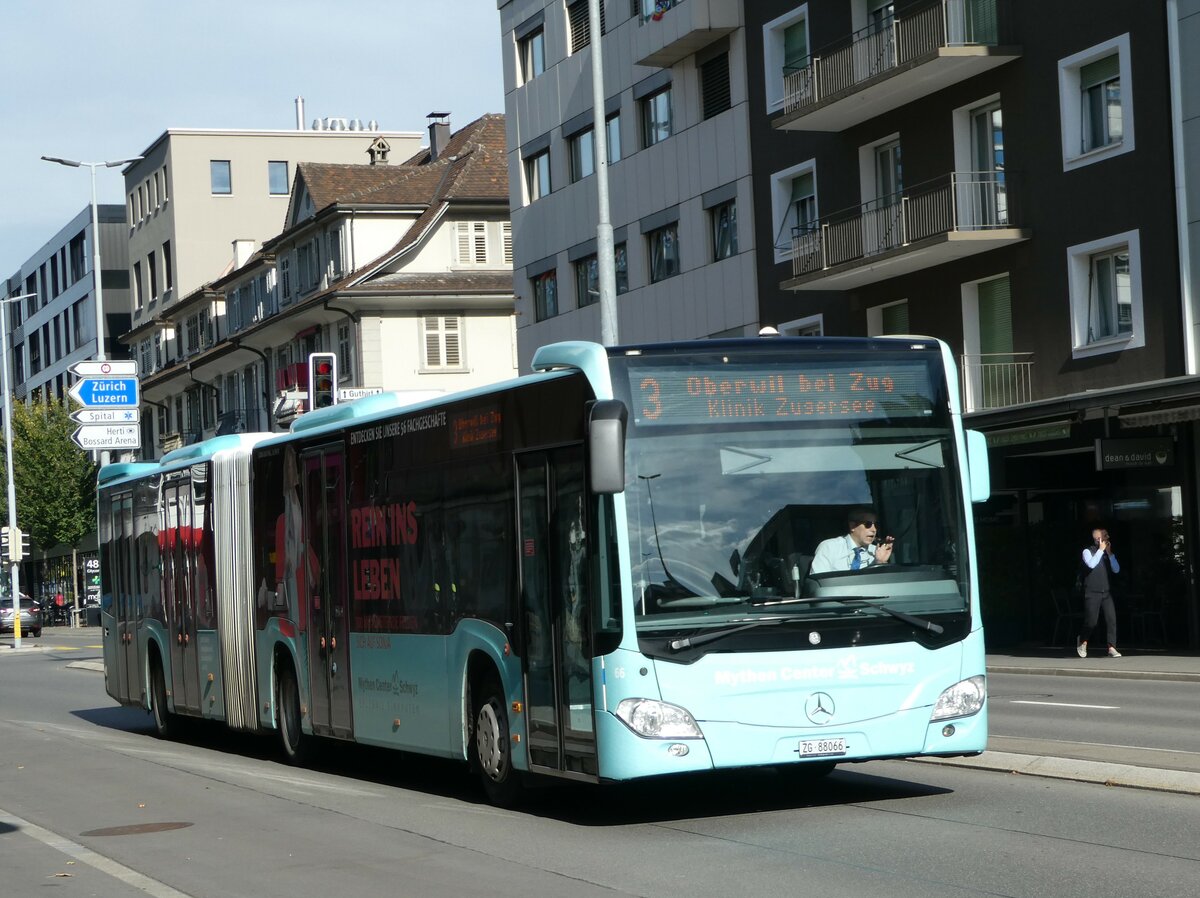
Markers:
point(299, 113)
point(242, 251)
point(439, 134)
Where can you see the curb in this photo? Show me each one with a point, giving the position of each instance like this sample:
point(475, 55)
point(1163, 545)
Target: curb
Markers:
point(1110, 672)
point(1178, 781)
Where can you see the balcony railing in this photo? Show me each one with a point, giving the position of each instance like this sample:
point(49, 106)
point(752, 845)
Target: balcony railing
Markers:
point(647, 10)
point(239, 420)
point(996, 380)
point(959, 201)
point(888, 45)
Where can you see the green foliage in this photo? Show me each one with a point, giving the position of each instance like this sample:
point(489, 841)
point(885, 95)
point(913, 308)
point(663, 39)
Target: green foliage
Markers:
point(55, 479)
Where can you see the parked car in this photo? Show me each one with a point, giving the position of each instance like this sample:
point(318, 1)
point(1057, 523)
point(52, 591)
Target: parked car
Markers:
point(31, 616)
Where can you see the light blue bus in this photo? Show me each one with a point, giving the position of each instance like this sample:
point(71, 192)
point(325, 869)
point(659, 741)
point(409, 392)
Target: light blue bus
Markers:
point(599, 572)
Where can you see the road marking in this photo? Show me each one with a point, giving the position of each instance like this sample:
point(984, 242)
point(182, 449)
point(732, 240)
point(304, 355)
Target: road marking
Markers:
point(92, 859)
point(1016, 701)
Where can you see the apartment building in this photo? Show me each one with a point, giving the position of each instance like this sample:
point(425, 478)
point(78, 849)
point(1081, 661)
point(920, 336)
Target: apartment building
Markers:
point(55, 325)
point(402, 269)
point(1010, 177)
point(200, 201)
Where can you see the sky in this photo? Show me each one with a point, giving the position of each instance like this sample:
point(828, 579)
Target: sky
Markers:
point(99, 80)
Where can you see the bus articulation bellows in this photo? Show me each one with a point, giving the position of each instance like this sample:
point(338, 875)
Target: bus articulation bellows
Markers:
point(600, 571)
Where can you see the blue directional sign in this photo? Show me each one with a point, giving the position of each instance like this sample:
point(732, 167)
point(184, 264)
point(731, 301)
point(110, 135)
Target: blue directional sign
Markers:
point(106, 392)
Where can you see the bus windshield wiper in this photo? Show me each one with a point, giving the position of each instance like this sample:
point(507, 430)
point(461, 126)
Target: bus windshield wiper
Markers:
point(678, 645)
point(861, 602)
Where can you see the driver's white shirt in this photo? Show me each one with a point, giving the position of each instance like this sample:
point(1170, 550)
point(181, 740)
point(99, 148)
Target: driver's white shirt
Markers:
point(837, 553)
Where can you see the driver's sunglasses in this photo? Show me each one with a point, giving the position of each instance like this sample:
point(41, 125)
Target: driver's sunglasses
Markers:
point(868, 523)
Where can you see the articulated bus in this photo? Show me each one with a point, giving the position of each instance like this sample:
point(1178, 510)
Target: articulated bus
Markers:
point(600, 571)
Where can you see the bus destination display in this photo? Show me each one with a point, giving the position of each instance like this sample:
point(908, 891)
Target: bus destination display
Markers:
point(842, 390)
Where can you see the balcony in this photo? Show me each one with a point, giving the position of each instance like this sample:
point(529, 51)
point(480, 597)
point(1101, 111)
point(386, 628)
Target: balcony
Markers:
point(957, 215)
point(887, 65)
point(292, 377)
point(996, 380)
point(672, 30)
point(239, 420)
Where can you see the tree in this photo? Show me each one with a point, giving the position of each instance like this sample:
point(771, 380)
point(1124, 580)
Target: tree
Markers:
point(55, 480)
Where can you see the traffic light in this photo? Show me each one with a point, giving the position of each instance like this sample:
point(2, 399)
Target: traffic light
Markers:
point(322, 380)
point(14, 544)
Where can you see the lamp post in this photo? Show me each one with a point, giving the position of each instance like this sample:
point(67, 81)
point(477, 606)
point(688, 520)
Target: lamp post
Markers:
point(14, 570)
point(97, 272)
point(605, 255)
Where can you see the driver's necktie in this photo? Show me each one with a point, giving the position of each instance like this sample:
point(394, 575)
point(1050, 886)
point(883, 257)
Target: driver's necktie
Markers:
point(858, 559)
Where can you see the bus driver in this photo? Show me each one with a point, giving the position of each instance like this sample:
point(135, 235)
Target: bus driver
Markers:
point(857, 549)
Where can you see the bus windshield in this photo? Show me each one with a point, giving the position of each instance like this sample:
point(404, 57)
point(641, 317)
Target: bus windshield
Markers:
point(738, 468)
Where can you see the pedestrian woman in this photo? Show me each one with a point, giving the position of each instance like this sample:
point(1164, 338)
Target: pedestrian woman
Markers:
point(1099, 564)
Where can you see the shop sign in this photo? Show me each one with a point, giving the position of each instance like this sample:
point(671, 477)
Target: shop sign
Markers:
point(1037, 433)
point(1154, 452)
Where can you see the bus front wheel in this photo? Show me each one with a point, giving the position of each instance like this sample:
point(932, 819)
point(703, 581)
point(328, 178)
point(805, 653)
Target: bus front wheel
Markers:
point(287, 710)
point(492, 748)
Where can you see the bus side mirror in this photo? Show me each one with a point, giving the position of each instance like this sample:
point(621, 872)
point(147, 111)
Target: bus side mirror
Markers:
point(977, 465)
point(606, 446)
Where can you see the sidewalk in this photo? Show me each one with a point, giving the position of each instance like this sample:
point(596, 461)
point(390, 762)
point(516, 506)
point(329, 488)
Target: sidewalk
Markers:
point(1128, 766)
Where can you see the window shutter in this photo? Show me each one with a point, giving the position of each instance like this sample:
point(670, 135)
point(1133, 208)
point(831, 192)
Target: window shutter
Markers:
point(578, 25)
point(507, 238)
point(433, 348)
point(480, 239)
point(995, 317)
point(895, 318)
point(714, 85)
point(451, 331)
point(462, 237)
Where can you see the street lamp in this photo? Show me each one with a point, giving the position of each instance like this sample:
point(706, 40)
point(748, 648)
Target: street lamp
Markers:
point(97, 275)
point(96, 271)
point(14, 570)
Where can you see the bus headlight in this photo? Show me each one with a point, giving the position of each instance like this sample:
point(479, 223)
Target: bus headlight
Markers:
point(961, 700)
point(658, 720)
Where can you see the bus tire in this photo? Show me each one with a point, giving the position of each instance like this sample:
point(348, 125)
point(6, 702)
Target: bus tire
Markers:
point(164, 720)
point(491, 748)
point(288, 717)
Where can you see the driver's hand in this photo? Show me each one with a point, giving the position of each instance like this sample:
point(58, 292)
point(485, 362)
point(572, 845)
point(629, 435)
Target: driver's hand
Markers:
point(883, 553)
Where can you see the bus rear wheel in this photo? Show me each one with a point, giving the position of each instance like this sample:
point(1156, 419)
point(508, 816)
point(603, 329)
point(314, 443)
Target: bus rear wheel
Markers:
point(164, 720)
point(492, 749)
point(287, 711)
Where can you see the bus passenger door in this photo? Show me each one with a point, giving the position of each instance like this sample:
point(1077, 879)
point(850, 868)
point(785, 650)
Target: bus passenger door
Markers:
point(555, 610)
point(324, 565)
point(185, 671)
point(124, 597)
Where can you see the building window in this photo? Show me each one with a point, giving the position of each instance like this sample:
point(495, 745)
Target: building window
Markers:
point(191, 335)
point(656, 117)
point(219, 174)
point(1096, 102)
point(284, 268)
point(78, 262)
point(587, 281)
point(664, 252)
point(714, 86)
point(532, 51)
point(277, 178)
point(78, 328)
point(621, 263)
point(152, 271)
point(785, 56)
point(345, 350)
point(1106, 295)
point(724, 230)
point(891, 318)
point(168, 278)
point(470, 238)
point(583, 155)
point(612, 136)
point(545, 296)
point(34, 342)
point(793, 208)
point(138, 298)
point(537, 175)
point(579, 26)
point(443, 341)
